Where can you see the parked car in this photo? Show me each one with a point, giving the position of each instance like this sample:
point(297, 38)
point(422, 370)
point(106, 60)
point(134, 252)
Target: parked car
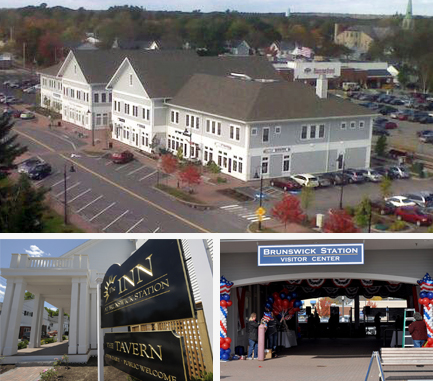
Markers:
point(306, 180)
point(414, 215)
point(399, 201)
point(378, 121)
point(39, 171)
point(27, 115)
point(390, 125)
point(324, 181)
point(28, 164)
point(427, 119)
point(372, 175)
point(400, 172)
point(380, 131)
point(423, 198)
point(26, 336)
point(286, 184)
point(355, 176)
point(385, 110)
point(424, 133)
point(383, 207)
point(122, 157)
point(337, 178)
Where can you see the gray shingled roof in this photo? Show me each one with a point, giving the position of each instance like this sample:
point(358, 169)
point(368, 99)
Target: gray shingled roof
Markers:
point(164, 72)
point(51, 70)
point(253, 101)
point(98, 66)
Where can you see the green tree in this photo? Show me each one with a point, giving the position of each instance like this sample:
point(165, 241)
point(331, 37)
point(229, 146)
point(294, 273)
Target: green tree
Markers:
point(9, 148)
point(21, 207)
point(28, 295)
point(381, 145)
point(307, 198)
point(363, 212)
point(385, 187)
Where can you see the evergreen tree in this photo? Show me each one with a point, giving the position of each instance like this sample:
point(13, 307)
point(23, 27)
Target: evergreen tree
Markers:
point(381, 145)
point(9, 148)
point(363, 212)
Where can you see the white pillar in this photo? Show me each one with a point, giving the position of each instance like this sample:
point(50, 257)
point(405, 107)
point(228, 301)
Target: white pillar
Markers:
point(99, 331)
point(73, 323)
point(203, 270)
point(40, 320)
point(93, 319)
point(83, 317)
point(6, 310)
point(60, 325)
point(33, 331)
point(16, 310)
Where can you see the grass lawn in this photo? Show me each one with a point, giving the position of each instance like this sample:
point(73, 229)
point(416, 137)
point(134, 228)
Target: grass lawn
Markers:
point(53, 223)
point(180, 194)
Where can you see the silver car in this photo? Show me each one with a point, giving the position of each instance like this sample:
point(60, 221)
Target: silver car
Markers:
point(372, 175)
point(27, 165)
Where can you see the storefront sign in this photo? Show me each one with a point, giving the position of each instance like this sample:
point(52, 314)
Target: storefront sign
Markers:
point(155, 355)
point(150, 286)
point(276, 150)
point(301, 255)
point(313, 70)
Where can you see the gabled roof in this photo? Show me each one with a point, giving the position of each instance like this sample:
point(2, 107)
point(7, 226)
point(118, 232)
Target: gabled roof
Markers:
point(254, 101)
point(98, 66)
point(285, 45)
point(164, 72)
point(51, 70)
point(132, 44)
point(376, 33)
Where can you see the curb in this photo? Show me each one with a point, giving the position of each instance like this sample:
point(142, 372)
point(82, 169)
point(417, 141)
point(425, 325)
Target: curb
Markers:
point(187, 203)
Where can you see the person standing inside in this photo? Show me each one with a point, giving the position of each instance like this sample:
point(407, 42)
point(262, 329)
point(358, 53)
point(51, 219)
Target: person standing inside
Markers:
point(418, 330)
point(253, 336)
point(272, 333)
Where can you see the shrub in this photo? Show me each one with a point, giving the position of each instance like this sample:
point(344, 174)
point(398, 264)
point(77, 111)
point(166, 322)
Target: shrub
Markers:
point(204, 377)
point(418, 168)
point(397, 226)
point(64, 337)
point(22, 345)
point(221, 180)
point(48, 375)
point(213, 167)
point(350, 210)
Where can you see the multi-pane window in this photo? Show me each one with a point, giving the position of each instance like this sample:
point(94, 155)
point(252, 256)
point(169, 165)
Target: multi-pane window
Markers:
point(361, 124)
point(352, 125)
point(135, 110)
point(213, 127)
point(321, 131)
point(254, 131)
point(192, 121)
point(105, 119)
point(174, 117)
point(235, 133)
point(265, 165)
point(103, 97)
point(98, 119)
point(127, 108)
point(304, 132)
point(110, 97)
point(343, 125)
point(265, 136)
point(96, 98)
point(277, 130)
point(313, 132)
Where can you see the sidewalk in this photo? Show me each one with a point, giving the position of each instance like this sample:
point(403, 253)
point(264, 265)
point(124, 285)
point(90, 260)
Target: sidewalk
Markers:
point(27, 373)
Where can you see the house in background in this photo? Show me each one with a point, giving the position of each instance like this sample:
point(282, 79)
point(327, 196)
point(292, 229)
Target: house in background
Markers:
point(271, 128)
point(238, 48)
point(135, 44)
point(6, 61)
point(281, 49)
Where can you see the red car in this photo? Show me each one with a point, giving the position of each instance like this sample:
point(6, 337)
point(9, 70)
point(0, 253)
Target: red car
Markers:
point(286, 184)
point(414, 215)
point(122, 157)
point(390, 125)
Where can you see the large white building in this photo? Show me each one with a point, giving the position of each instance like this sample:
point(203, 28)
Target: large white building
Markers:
point(69, 283)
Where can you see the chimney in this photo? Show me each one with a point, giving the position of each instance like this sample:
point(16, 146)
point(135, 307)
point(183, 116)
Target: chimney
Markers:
point(336, 30)
point(322, 87)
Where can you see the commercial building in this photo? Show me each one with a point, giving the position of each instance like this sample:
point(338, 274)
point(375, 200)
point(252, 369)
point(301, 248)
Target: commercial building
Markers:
point(51, 88)
point(270, 128)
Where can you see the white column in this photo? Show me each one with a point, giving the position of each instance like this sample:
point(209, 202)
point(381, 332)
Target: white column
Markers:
point(93, 319)
point(100, 335)
point(33, 331)
point(40, 320)
point(203, 270)
point(60, 325)
point(6, 310)
point(83, 317)
point(73, 323)
point(11, 343)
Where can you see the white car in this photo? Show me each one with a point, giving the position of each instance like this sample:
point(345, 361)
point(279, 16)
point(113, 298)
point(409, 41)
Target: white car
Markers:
point(372, 175)
point(27, 115)
point(398, 201)
point(306, 180)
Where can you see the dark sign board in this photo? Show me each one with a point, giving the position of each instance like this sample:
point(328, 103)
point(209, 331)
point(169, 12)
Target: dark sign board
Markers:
point(147, 355)
point(150, 286)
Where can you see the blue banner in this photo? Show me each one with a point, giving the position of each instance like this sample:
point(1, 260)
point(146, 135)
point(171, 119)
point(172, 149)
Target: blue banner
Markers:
point(302, 255)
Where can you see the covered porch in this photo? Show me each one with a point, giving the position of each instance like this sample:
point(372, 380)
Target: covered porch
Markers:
point(62, 282)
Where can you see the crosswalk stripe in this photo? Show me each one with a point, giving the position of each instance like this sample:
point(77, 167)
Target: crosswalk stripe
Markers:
point(229, 206)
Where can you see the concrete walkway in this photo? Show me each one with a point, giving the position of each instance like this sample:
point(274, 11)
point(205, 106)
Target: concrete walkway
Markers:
point(311, 360)
point(53, 349)
point(30, 373)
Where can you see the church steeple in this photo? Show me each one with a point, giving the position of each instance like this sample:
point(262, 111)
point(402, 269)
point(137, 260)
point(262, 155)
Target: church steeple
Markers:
point(408, 22)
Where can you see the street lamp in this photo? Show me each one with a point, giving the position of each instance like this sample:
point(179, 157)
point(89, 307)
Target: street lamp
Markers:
point(342, 298)
point(188, 134)
point(91, 127)
point(72, 169)
point(256, 176)
point(341, 164)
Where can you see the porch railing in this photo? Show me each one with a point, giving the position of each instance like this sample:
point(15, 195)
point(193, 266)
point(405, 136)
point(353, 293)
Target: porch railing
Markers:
point(24, 261)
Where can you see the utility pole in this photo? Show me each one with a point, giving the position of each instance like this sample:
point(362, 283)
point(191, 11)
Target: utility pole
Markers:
point(24, 55)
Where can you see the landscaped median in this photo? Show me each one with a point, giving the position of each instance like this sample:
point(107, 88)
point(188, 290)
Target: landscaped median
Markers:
point(183, 197)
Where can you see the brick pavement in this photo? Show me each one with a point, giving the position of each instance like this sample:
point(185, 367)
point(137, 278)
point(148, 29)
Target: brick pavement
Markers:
point(311, 360)
point(25, 373)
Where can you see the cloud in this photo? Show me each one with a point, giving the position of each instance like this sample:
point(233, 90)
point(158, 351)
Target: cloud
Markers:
point(2, 292)
point(36, 252)
point(1, 286)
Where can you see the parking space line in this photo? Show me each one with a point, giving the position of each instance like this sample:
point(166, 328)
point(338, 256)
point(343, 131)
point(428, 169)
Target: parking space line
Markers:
point(61, 181)
point(45, 178)
point(102, 211)
point(117, 219)
point(136, 170)
point(254, 215)
point(72, 186)
point(263, 219)
point(150, 174)
point(108, 163)
point(81, 194)
point(90, 203)
point(228, 206)
point(123, 166)
point(133, 226)
point(105, 154)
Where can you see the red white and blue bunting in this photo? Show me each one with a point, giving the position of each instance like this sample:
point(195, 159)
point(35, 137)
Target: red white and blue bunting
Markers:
point(315, 283)
point(367, 282)
point(295, 281)
point(342, 282)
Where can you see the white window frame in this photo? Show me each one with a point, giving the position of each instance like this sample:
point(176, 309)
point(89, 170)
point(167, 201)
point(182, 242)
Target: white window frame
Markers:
point(311, 131)
point(352, 125)
point(322, 129)
point(265, 160)
point(277, 130)
point(254, 131)
point(306, 132)
point(361, 124)
point(213, 127)
point(263, 134)
point(289, 157)
point(343, 125)
point(174, 117)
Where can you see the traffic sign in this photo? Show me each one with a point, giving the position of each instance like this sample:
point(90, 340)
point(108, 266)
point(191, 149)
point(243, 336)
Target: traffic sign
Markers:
point(261, 211)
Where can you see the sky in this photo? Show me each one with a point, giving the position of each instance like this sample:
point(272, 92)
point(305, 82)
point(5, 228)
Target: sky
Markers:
point(420, 7)
point(34, 248)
